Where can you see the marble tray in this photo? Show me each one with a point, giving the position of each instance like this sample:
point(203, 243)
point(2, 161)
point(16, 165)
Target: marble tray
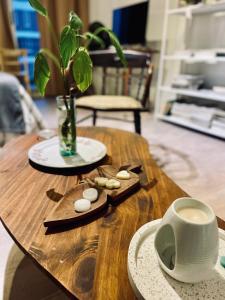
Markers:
point(149, 281)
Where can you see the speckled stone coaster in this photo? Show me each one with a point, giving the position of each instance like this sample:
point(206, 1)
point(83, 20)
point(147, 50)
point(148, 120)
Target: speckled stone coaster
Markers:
point(149, 281)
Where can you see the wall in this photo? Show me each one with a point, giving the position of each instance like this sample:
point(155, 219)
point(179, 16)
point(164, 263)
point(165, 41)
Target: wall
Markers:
point(101, 10)
point(156, 13)
point(124, 3)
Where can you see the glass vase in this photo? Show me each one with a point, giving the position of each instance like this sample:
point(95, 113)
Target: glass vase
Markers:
point(66, 125)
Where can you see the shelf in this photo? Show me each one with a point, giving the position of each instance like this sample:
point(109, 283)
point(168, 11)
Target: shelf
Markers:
point(198, 9)
point(203, 94)
point(192, 60)
point(188, 124)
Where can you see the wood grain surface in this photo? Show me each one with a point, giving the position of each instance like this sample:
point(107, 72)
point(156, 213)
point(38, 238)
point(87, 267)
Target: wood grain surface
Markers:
point(89, 261)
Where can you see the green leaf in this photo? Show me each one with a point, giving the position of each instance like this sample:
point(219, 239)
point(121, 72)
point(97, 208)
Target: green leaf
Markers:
point(82, 69)
point(41, 72)
point(74, 21)
point(68, 45)
point(115, 42)
point(97, 39)
point(38, 7)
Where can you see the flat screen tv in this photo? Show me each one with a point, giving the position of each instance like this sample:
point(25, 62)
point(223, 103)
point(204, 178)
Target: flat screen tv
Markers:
point(129, 23)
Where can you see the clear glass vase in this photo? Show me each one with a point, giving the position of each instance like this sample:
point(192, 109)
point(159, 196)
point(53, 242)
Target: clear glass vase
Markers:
point(66, 125)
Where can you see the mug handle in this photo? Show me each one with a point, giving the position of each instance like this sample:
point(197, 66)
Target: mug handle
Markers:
point(165, 246)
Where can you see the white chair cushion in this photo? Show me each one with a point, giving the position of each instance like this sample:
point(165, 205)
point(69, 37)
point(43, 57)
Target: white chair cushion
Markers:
point(108, 102)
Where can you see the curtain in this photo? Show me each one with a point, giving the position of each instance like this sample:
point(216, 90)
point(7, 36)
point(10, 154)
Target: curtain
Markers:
point(58, 11)
point(7, 30)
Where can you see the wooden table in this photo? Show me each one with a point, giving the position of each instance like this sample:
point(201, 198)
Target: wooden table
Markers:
point(89, 261)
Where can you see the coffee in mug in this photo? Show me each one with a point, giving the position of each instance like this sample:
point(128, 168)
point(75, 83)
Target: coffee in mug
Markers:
point(194, 215)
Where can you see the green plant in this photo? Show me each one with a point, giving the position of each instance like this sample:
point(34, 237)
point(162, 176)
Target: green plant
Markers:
point(72, 52)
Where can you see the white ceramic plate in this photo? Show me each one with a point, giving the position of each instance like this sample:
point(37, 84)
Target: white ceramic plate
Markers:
point(149, 281)
point(47, 154)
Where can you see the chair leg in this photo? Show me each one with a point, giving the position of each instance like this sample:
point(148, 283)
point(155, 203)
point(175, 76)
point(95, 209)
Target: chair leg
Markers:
point(94, 117)
point(137, 122)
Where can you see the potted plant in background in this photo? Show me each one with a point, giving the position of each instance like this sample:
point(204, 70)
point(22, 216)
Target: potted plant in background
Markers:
point(72, 56)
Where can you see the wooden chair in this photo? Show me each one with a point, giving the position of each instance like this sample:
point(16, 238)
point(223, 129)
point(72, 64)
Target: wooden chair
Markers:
point(15, 62)
point(130, 89)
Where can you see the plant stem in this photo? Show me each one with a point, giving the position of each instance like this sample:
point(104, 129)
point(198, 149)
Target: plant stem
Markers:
point(65, 82)
point(72, 118)
point(52, 57)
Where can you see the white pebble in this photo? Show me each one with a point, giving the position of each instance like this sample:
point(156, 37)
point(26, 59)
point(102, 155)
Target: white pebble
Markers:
point(101, 181)
point(82, 205)
point(112, 184)
point(123, 175)
point(90, 194)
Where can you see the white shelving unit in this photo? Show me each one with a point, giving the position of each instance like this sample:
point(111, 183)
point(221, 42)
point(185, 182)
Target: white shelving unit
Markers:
point(202, 94)
point(191, 60)
point(189, 124)
point(165, 58)
point(198, 9)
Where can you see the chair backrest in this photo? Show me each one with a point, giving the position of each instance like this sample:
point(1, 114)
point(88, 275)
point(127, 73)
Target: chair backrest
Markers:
point(135, 80)
point(15, 62)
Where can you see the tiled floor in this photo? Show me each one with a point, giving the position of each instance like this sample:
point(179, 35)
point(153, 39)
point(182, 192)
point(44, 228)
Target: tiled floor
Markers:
point(194, 161)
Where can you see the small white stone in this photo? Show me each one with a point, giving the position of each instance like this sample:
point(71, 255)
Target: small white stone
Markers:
point(90, 194)
point(112, 184)
point(101, 181)
point(123, 175)
point(82, 205)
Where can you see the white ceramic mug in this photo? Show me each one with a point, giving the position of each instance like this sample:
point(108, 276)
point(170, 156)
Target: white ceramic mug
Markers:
point(186, 241)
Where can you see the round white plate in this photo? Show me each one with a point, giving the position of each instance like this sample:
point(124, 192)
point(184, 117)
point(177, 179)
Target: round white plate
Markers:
point(149, 281)
point(47, 154)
